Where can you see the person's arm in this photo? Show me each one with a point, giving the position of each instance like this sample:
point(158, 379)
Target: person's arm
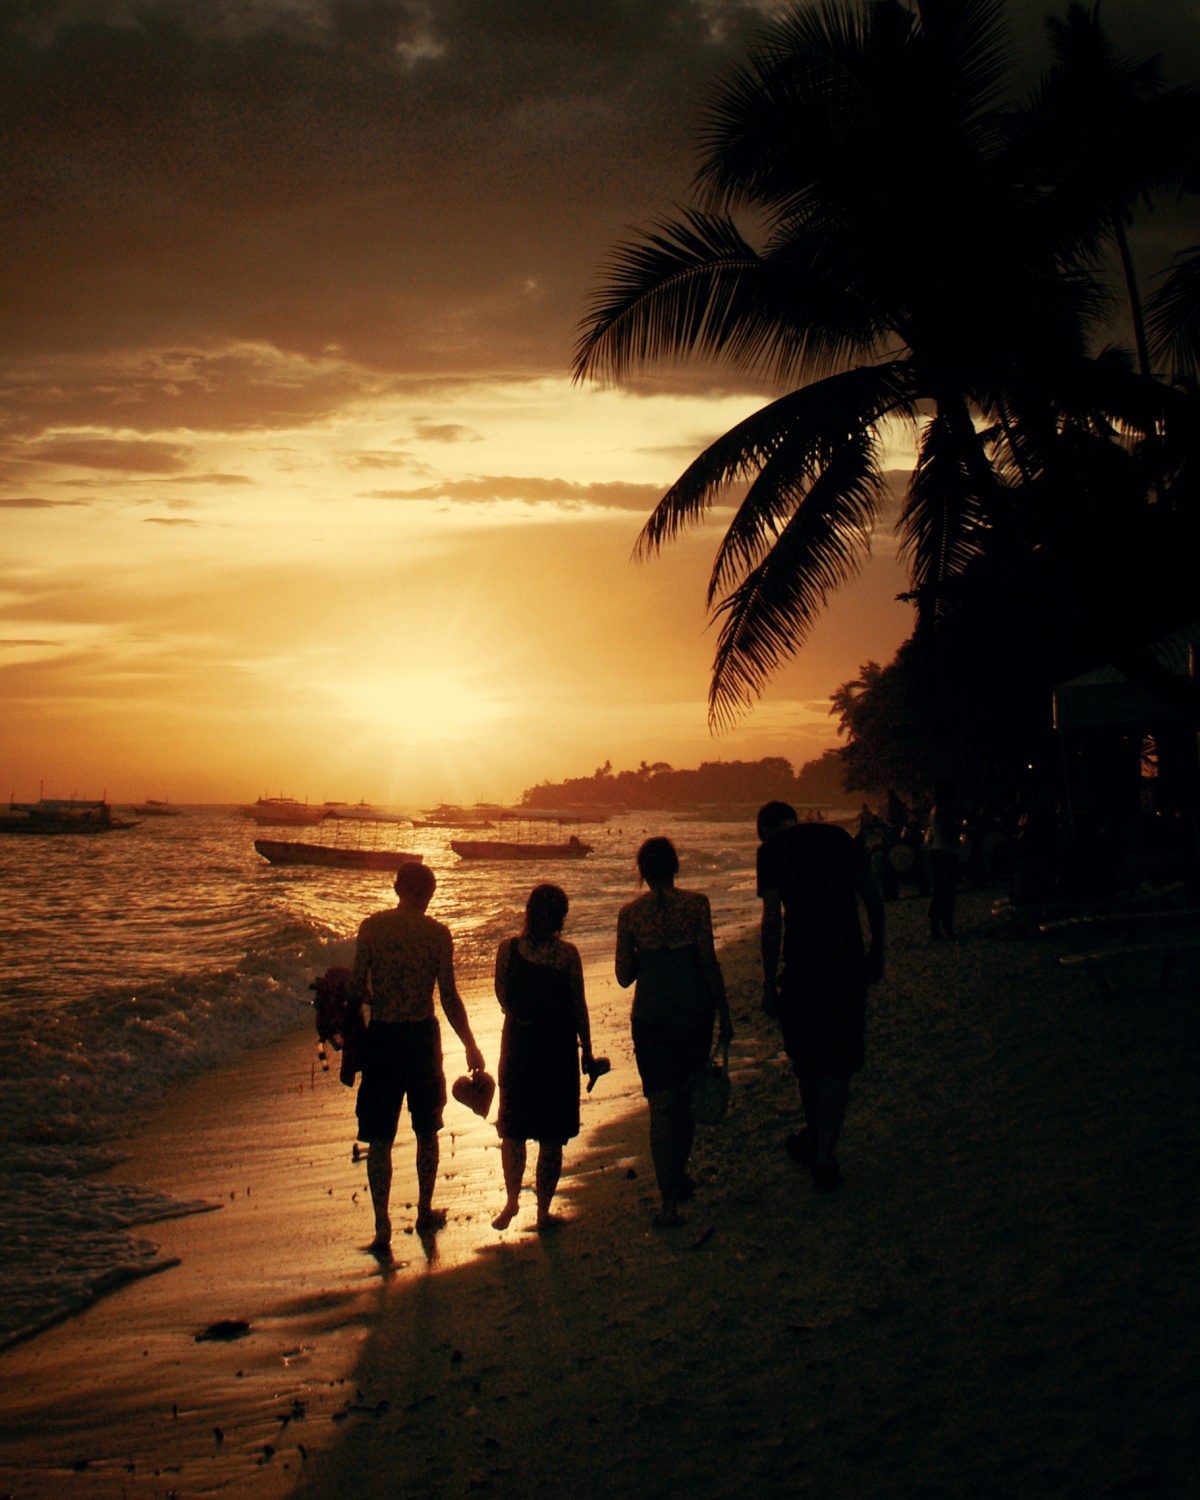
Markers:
point(452, 1004)
point(871, 899)
point(770, 943)
point(583, 1022)
point(502, 953)
point(711, 968)
point(627, 965)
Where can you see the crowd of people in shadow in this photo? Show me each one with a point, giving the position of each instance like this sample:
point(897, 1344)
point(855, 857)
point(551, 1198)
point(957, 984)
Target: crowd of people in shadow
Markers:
point(816, 971)
point(1038, 853)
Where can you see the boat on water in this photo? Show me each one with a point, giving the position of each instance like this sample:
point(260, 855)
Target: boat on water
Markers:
point(362, 811)
point(451, 815)
point(53, 815)
point(523, 847)
point(352, 850)
point(153, 808)
point(502, 849)
point(282, 812)
point(335, 856)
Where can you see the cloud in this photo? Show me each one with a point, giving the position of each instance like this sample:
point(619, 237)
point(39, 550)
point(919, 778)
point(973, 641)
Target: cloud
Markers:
point(612, 495)
point(379, 460)
point(229, 387)
point(29, 643)
point(389, 179)
point(379, 184)
point(212, 479)
point(444, 432)
point(169, 521)
point(680, 453)
point(131, 456)
point(32, 502)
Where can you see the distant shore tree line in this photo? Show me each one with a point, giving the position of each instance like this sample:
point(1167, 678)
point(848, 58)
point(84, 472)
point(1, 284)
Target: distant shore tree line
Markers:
point(890, 229)
point(719, 783)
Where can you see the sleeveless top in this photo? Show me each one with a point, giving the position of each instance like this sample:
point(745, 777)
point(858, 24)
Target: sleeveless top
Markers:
point(538, 995)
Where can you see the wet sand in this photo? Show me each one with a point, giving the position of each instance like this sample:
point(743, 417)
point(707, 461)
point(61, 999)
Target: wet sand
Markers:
point(1001, 1300)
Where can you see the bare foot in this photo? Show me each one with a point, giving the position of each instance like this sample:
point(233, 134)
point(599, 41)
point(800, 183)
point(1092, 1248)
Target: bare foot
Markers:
point(548, 1223)
point(430, 1219)
point(381, 1244)
point(505, 1217)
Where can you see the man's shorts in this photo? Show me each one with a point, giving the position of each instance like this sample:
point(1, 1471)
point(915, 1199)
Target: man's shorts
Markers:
point(399, 1059)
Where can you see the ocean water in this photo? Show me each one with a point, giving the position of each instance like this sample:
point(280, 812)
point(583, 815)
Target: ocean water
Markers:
point(134, 958)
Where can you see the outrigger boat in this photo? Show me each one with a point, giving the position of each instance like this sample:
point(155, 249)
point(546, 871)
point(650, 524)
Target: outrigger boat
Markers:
point(282, 812)
point(52, 815)
point(339, 856)
point(573, 848)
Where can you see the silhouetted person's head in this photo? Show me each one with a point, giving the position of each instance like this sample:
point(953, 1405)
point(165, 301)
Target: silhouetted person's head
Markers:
point(943, 791)
point(545, 912)
point(415, 885)
point(773, 816)
point(658, 863)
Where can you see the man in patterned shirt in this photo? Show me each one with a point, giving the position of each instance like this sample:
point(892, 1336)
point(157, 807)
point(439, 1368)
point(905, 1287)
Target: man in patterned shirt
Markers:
point(401, 953)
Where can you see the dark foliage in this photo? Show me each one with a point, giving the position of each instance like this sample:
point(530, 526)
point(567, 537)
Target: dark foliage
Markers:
point(1049, 507)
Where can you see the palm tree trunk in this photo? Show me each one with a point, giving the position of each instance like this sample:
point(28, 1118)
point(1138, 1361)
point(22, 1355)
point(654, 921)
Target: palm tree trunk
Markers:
point(1138, 317)
point(1136, 313)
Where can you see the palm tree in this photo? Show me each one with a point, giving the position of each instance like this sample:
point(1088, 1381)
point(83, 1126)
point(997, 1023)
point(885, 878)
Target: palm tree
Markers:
point(867, 235)
point(1107, 133)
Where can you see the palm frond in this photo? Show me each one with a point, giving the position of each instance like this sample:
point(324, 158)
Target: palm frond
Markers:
point(853, 398)
point(827, 83)
point(942, 524)
point(695, 285)
point(1109, 396)
point(831, 441)
point(965, 53)
point(666, 294)
point(784, 118)
point(767, 617)
point(1173, 313)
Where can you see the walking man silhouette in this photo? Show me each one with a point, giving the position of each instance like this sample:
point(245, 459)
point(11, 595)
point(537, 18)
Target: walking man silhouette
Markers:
point(400, 955)
point(811, 877)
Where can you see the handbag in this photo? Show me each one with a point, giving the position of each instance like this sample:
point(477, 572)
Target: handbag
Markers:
point(710, 1092)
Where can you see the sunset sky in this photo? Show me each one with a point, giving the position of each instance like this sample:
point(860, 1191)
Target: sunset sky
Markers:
point(295, 492)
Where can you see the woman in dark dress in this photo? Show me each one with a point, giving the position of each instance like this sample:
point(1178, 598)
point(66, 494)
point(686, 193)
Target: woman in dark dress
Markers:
point(665, 943)
point(539, 983)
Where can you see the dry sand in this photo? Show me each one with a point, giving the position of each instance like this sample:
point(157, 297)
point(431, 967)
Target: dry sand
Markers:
point(1001, 1301)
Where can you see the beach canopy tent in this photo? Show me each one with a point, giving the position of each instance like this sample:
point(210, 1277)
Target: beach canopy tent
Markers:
point(1107, 698)
point(1109, 718)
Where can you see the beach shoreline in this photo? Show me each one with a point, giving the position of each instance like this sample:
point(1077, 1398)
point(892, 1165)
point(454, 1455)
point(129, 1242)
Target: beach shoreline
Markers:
point(120, 1398)
point(998, 1302)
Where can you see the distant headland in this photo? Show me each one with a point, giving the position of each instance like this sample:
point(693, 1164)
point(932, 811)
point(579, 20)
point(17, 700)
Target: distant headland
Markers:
point(725, 784)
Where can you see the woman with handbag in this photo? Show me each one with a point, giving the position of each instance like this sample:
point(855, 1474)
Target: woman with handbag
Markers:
point(539, 983)
point(665, 945)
